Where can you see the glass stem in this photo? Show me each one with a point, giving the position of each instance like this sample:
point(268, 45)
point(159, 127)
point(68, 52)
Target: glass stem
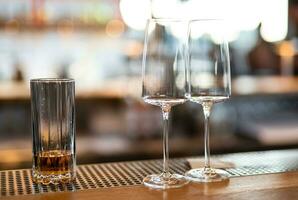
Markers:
point(165, 114)
point(207, 109)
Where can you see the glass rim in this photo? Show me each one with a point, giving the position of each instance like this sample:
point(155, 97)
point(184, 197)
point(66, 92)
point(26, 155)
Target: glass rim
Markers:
point(167, 20)
point(207, 19)
point(161, 19)
point(52, 80)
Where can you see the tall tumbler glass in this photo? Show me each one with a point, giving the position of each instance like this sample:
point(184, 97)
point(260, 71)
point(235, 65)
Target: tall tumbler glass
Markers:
point(53, 128)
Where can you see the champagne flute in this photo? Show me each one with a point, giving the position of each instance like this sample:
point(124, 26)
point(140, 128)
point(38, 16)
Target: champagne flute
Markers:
point(209, 82)
point(164, 83)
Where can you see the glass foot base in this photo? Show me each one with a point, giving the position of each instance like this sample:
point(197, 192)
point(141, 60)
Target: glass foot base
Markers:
point(47, 179)
point(159, 181)
point(203, 175)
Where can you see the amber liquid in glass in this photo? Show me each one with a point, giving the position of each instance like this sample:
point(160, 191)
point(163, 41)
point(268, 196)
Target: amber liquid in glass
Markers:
point(53, 163)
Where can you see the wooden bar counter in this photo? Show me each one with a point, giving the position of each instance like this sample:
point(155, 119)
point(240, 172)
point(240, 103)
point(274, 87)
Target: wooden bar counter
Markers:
point(269, 175)
point(280, 186)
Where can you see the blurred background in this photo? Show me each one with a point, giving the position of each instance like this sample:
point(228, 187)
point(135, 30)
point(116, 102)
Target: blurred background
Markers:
point(99, 43)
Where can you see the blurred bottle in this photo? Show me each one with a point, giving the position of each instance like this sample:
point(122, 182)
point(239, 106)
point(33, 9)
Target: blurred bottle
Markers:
point(262, 58)
point(63, 71)
point(18, 74)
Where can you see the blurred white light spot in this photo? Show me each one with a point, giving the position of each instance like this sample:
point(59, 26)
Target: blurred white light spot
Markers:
point(275, 21)
point(135, 13)
point(241, 15)
point(165, 8)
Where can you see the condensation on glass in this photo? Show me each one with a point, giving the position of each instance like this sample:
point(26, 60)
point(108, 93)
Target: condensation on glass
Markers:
point(53, 130)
